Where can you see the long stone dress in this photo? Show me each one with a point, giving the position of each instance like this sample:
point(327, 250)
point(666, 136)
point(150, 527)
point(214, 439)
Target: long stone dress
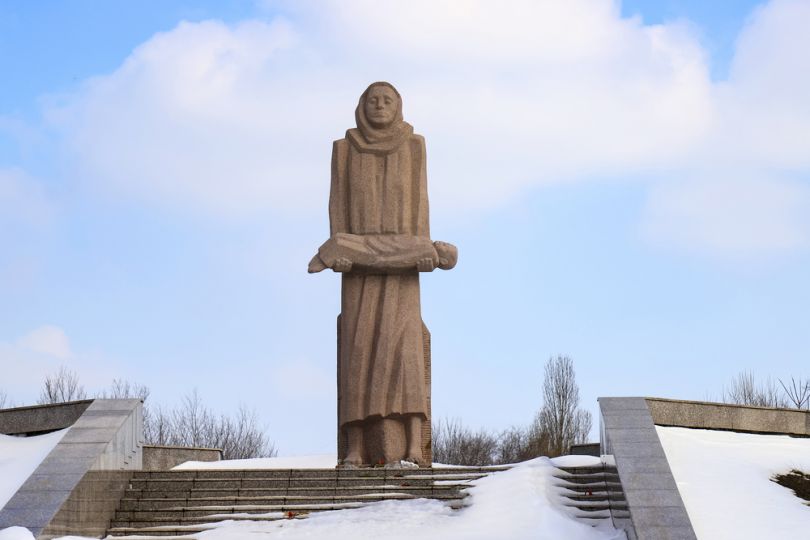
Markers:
point(380, 188)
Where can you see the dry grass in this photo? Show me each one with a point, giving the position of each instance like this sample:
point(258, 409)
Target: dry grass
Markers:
point(796, 480)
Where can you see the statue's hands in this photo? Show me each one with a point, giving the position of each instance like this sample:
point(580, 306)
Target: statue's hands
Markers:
point(425, 265)
point(342, 264)
point(316, 265)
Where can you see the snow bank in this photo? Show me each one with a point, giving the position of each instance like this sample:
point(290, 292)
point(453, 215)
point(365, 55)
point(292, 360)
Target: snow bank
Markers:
point(16, 533)
point(724, 480)
point(576, 461)
point(19, 457)
point(319, 461)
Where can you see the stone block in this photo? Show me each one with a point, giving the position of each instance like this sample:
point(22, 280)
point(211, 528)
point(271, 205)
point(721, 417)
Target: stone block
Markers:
point(64, 465)
point(627, 421)
point(659, 516)
point(78, 449)
point(99, 419)
point(88, 435)
point(163, 458)
point(655, 496)
point(52, 482)
point(649, 464)
point(120, 405)
point(645, 449)
point(40, 500)
point(635, 435)
point(41, 418)
point(622, 403)
point(646, 481)
point(34, 519)
point(667, 533)
point(704, 415)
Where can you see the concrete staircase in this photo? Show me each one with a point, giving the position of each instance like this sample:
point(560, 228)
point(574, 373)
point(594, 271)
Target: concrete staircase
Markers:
point(175, 503)
point(593, 494)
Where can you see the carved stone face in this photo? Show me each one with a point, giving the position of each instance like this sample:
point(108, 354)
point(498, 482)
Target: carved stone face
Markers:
point(381, 106)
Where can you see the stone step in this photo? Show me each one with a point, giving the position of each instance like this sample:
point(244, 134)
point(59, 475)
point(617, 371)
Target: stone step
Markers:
point(421, 491)
point(176, 485)
point(592, 494)
point(610, 487)
point(315, 473)
point(589, 478)
point(195, 524)
point(171, 503)
point(180, 503)
point(589, 470)
point(168, 533)
point(597, 496)
point(191, 512)
point(589, 506)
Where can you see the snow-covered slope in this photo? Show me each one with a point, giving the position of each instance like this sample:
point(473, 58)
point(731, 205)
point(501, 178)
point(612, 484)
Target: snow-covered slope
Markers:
point(19, 457)
point(724, 481)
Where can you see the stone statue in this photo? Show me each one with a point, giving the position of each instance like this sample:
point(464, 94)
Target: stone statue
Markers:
point(380, 241)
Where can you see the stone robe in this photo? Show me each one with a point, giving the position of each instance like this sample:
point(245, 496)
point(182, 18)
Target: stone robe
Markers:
point(380, 189)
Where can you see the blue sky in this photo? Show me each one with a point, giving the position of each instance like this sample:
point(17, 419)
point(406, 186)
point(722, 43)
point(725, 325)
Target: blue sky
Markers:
point(627, 183)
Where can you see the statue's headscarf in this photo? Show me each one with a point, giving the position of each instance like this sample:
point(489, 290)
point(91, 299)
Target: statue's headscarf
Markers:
point(368, 138)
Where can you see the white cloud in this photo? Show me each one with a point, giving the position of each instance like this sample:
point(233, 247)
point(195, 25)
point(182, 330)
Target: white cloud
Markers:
point(733, 216)
point(745, 193)
point(28, 359)
point(22, 200)
point(48, 340)
point(237, 120)
point(240, 119)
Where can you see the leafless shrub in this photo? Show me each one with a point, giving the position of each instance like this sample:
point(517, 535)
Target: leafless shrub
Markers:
point(744, 390)
point(122, 389)
point(798, 392)
point(193, 424)
point(518, 444)
point(190, 424)
point(60, 387)
point(454, 444)
point(560, 416)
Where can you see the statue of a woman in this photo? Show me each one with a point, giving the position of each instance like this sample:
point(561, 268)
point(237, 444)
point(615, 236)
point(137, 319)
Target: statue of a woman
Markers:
point(380, 241)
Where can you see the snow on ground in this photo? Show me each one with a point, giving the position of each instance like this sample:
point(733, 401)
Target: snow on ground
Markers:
point(16, 533)
point(521, 503)
point(19, 457)
point(724, 480)
point(318, 461)
point(329, 461)
point(518, 504)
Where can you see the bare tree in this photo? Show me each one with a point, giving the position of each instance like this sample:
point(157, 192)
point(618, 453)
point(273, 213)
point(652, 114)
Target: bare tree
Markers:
point(560, 416)
point(122, 389)
point(60, 387)
point(193, 424)
point(3, 399)
point(798, 392)
point(454, 444)
point(518, 444)
point(744, 390)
